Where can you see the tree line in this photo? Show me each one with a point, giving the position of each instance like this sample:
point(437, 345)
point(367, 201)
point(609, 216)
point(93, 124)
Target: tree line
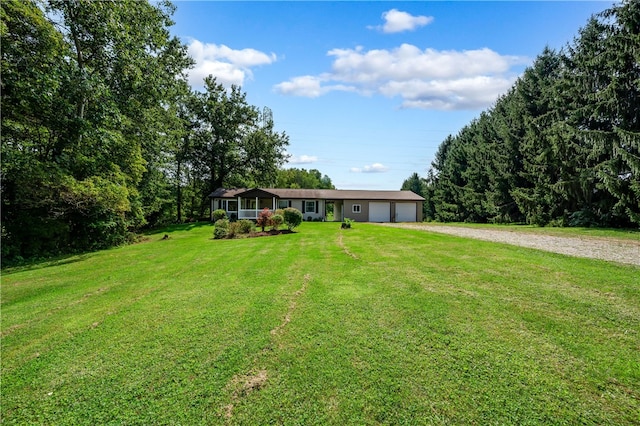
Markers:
point(101, 133)
point(562, 147)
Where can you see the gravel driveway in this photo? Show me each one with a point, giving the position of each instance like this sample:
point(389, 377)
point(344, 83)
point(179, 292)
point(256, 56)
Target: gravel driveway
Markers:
point(611, 249)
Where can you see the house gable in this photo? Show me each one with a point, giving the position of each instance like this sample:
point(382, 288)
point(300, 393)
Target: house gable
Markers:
point(257, 193)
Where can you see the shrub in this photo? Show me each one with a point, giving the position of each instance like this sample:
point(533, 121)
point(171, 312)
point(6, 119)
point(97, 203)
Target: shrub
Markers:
point(221, 229)
point(584, 218)
point(292, 217)
point(233, 230)
point(245, 226)
point(280, 212)
point(219, 214)
point(347, 223)
point(264, 218)
point(276, 221)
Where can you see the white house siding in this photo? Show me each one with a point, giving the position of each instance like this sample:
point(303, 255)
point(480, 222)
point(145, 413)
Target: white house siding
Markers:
point(296, 204)
point(311, 214)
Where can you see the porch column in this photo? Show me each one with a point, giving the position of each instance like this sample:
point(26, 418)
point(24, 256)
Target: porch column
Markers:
point(257, 206)
point(274, 204)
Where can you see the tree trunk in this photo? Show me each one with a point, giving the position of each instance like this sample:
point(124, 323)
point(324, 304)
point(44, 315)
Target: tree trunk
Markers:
point(179, 190)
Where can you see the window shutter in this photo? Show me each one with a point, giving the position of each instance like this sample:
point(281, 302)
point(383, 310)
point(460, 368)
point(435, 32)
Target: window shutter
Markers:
point(289, 203)
point(303, 205)
point(317, 206)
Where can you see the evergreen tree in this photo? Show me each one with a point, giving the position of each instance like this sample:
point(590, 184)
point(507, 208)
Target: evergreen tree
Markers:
point(419, 186)
point(602, 77)
point(562, 146)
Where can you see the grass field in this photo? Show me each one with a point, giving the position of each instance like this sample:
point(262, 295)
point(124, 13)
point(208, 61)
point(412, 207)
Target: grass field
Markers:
point(371, 325)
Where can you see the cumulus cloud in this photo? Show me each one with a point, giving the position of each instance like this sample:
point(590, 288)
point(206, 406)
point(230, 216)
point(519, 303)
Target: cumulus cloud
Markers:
point(396, 21)
point(302, 159)
point(428, 79)
point(458, 93)
point(373, 168)
point(229, 66)
point(310, 86)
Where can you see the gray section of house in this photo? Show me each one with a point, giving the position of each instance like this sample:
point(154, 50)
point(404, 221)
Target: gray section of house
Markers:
point(351, 213)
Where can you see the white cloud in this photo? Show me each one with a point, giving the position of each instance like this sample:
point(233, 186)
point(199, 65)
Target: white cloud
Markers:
point(428, 79)
point(410, 62)
point(306, 85)
point(459, 93)
point(397, 21)
point(228, 65)
point(310, 86)
point(302, 159)
point(373, 168)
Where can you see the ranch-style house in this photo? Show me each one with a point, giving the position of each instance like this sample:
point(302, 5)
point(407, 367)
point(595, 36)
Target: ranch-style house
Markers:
point(359, 205)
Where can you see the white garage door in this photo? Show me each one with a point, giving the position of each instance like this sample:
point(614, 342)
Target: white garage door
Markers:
point(379, 212)
point(405, 212)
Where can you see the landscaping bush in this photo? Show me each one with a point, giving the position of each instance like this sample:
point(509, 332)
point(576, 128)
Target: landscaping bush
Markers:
point(347, 223)
point(276, 221)
point(264, 218)
point(219, 214)
point(221, 229)
point(245, 226)
point(292, 217)
point(233, 230)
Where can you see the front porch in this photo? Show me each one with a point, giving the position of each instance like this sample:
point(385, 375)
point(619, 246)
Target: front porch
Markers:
point(249, 205)
point(250, 208)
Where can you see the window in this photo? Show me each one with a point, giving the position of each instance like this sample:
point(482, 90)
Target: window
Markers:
point(283, 204)
point(309, 206)
point(356, 208)
point(248, 203)
point(232, 206)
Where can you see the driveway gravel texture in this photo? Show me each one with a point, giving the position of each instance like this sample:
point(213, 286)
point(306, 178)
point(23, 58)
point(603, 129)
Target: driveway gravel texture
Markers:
point(610, 249)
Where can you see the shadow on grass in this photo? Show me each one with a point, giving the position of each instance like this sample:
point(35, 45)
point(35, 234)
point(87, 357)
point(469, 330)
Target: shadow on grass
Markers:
point(9, 268)
point(34, 264)
point(177, 227)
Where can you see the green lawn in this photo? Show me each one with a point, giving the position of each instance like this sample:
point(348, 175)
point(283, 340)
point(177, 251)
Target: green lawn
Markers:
point(371, 325)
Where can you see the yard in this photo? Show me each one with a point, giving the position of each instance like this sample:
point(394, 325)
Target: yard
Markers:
point(372, 325)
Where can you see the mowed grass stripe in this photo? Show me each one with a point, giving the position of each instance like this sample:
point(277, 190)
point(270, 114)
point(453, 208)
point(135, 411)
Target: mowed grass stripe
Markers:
point(393, 326)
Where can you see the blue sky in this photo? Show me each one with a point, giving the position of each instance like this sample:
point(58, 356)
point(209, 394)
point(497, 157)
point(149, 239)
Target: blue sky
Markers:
point(366, 91)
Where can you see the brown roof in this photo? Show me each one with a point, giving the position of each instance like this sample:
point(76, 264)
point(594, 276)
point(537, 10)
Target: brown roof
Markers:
point(227, 193)
point(324, 194)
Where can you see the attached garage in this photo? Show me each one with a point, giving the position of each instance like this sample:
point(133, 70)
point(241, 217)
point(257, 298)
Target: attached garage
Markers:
point(379, 212)
point(406, 212)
